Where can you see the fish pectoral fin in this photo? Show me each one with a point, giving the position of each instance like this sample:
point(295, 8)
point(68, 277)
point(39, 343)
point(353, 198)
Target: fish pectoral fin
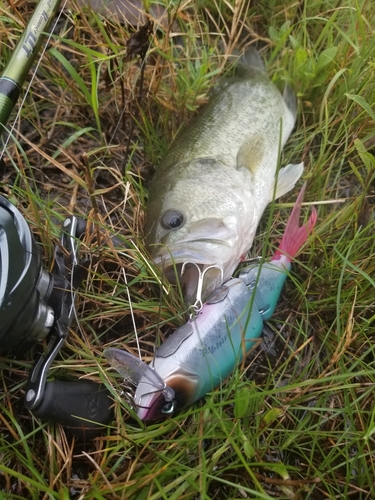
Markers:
point(287, 178)
point(251, 153)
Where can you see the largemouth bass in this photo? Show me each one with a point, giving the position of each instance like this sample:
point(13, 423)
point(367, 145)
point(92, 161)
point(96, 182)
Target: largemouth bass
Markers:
point(209, 193)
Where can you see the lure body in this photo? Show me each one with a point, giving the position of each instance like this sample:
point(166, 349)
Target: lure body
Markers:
point(198, 356)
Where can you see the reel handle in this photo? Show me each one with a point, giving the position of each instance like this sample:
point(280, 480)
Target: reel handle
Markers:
point(82, 406)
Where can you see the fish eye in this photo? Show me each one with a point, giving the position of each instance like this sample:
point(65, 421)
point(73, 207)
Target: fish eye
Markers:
point(169, 408)
point(172, 219)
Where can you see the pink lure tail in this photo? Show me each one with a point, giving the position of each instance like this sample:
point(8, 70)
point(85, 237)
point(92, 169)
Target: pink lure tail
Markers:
point(295, 235)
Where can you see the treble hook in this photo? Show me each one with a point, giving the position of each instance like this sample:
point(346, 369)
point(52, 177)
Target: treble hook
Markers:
point(198, 304)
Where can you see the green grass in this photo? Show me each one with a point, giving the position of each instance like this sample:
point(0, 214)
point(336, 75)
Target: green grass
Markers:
point(296, 420)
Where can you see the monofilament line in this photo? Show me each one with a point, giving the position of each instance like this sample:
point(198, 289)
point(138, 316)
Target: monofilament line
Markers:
point(132, 313)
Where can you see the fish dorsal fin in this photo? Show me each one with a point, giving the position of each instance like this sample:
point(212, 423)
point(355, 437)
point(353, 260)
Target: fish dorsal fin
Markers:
point(251, 153)
point(287, 178)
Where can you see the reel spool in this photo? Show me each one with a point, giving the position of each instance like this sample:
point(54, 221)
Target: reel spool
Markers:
point(25, 288)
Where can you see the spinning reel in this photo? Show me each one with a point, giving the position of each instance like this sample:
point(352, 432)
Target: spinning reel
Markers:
point(35, 304)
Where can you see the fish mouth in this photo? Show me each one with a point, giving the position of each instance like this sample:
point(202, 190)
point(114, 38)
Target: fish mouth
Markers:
point(188, 268)
point(184, 257)
point(192, 275)
point(208, 242)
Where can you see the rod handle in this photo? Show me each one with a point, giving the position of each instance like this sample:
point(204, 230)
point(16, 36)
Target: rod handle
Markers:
point(83, 407)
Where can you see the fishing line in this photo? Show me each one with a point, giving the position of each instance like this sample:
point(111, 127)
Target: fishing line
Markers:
point(132, 312)
point(126, 156)
point(10, 133)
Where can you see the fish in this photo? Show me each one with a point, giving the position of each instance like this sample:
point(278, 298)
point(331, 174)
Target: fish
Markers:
point(201, 354)
point(208, 194)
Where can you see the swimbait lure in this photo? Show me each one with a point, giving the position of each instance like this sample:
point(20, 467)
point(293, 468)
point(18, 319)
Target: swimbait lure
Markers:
point(198, 356)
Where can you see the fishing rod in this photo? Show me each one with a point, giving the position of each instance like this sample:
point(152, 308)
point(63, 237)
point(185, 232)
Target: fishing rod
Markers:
point(35, 303)
point(23, 57)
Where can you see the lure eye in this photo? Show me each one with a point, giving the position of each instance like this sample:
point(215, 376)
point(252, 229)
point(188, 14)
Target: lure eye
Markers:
point(169, 408)
point(172, 219)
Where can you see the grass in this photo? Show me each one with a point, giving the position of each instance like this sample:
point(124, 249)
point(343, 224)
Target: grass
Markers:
point(297, 420)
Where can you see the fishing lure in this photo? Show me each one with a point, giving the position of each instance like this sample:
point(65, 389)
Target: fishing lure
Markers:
point(199, 355)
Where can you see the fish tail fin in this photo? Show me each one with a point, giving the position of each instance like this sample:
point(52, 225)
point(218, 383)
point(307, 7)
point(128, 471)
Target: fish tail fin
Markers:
point(250, 62)
point(295, 235)
point(290, 100)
